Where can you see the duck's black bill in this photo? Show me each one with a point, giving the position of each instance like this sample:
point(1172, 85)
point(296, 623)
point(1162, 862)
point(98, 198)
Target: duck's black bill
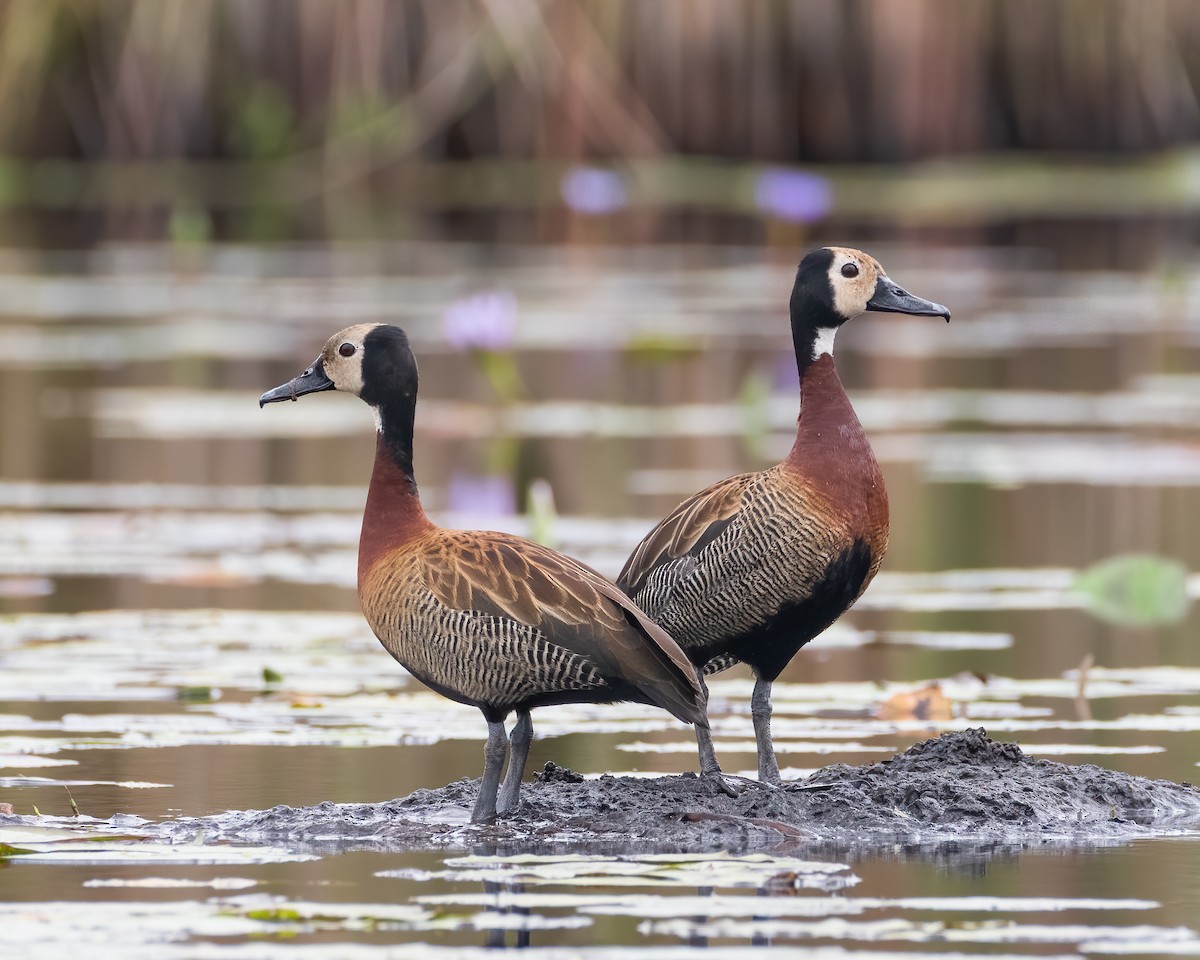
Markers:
point(312, 380)
point(890, 298)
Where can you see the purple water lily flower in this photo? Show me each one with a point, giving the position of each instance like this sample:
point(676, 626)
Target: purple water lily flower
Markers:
point(482, 321)
point(792, 195)
point(481, 495)
point(785, 378)
point(593, 191)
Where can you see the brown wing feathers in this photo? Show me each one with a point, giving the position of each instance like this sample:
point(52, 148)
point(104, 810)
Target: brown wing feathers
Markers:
point(686, 530)
point(648, 652)
point(570, 604)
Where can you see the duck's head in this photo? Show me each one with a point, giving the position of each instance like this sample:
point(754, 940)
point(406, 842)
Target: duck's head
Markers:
point(836, 284)
point(370, 360)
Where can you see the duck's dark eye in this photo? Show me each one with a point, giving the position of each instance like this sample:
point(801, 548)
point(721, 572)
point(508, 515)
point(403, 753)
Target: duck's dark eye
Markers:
point(347, 349)
point(850, 270)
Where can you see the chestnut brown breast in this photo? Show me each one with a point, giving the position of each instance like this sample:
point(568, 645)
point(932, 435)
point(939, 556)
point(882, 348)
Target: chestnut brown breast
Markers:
point(833, 462)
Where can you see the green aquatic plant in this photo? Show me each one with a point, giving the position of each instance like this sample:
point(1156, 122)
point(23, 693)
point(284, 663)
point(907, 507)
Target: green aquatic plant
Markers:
point(660, 347)
point(1136, 590)
point(262, 123)
point(189, 225)
point(755, 401)
point(542, 512)
point(275, 915)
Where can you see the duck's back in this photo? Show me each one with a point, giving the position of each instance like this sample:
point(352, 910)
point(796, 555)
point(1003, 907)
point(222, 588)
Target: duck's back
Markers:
point(500, 622)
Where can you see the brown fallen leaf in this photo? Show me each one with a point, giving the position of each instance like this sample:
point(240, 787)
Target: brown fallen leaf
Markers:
point(927, 703)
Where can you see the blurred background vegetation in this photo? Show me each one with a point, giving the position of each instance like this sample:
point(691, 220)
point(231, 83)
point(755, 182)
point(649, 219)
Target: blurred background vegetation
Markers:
point(273, 119)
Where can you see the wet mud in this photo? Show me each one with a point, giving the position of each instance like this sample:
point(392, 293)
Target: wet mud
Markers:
point(961, 786)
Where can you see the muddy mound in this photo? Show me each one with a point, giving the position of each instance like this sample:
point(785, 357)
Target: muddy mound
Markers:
point(959, 786)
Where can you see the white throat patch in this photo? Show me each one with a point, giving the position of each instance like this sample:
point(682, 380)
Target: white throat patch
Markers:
point(823, 342)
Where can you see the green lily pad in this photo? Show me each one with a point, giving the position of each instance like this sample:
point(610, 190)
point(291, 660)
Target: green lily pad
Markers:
point(1136, 590)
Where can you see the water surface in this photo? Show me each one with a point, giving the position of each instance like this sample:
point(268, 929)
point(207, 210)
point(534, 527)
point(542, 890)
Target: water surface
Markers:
point(182, 638)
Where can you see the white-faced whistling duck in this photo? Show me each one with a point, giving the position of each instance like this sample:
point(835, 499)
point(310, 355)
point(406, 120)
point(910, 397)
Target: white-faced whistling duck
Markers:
point(486, 619)
point(751, 569)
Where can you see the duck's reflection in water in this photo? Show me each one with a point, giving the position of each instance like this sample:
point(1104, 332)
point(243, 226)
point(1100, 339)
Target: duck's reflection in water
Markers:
point(498, 936)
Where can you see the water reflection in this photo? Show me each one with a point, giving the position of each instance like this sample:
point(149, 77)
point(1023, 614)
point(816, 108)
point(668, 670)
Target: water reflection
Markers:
point(498, 936)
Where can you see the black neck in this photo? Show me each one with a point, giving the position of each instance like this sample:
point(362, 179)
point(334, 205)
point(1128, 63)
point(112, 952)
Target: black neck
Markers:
point(396, 433)
point(809, 316)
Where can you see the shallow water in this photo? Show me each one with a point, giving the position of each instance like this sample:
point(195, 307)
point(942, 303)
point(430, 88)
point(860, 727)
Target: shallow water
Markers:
point(182, 636)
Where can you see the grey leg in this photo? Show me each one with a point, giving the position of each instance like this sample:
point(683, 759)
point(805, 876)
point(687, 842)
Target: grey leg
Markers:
point(760, 713)
point(518, 751)
point(709, 768)
point(708, 754)
point(493, 760)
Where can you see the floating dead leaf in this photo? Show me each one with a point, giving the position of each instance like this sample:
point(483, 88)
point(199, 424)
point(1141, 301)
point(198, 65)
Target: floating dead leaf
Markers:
point(928, 703)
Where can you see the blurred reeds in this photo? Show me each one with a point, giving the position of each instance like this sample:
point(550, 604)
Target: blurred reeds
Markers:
point(811, 80)
point(282, 101)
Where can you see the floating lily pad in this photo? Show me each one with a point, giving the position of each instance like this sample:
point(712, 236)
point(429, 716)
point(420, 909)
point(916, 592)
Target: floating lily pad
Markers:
point(683, 870)
point(82, 840)
point(1136, 590)
point(1140, 939)
point(50, 782)
point(722, 905)
point(29, 761)
point(174, 883)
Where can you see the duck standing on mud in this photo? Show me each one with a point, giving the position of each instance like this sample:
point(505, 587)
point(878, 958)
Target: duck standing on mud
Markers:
point(752, 568)
point(487, 619)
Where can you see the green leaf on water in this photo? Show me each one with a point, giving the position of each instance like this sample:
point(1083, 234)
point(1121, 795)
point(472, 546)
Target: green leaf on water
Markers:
point(275, 915)
point(271, 676)
point(194, 694)
point(1135, 589)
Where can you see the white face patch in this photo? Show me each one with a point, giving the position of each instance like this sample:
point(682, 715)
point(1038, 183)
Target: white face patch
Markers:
point(851, 293)
point(823, 343)
point(346, 372)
